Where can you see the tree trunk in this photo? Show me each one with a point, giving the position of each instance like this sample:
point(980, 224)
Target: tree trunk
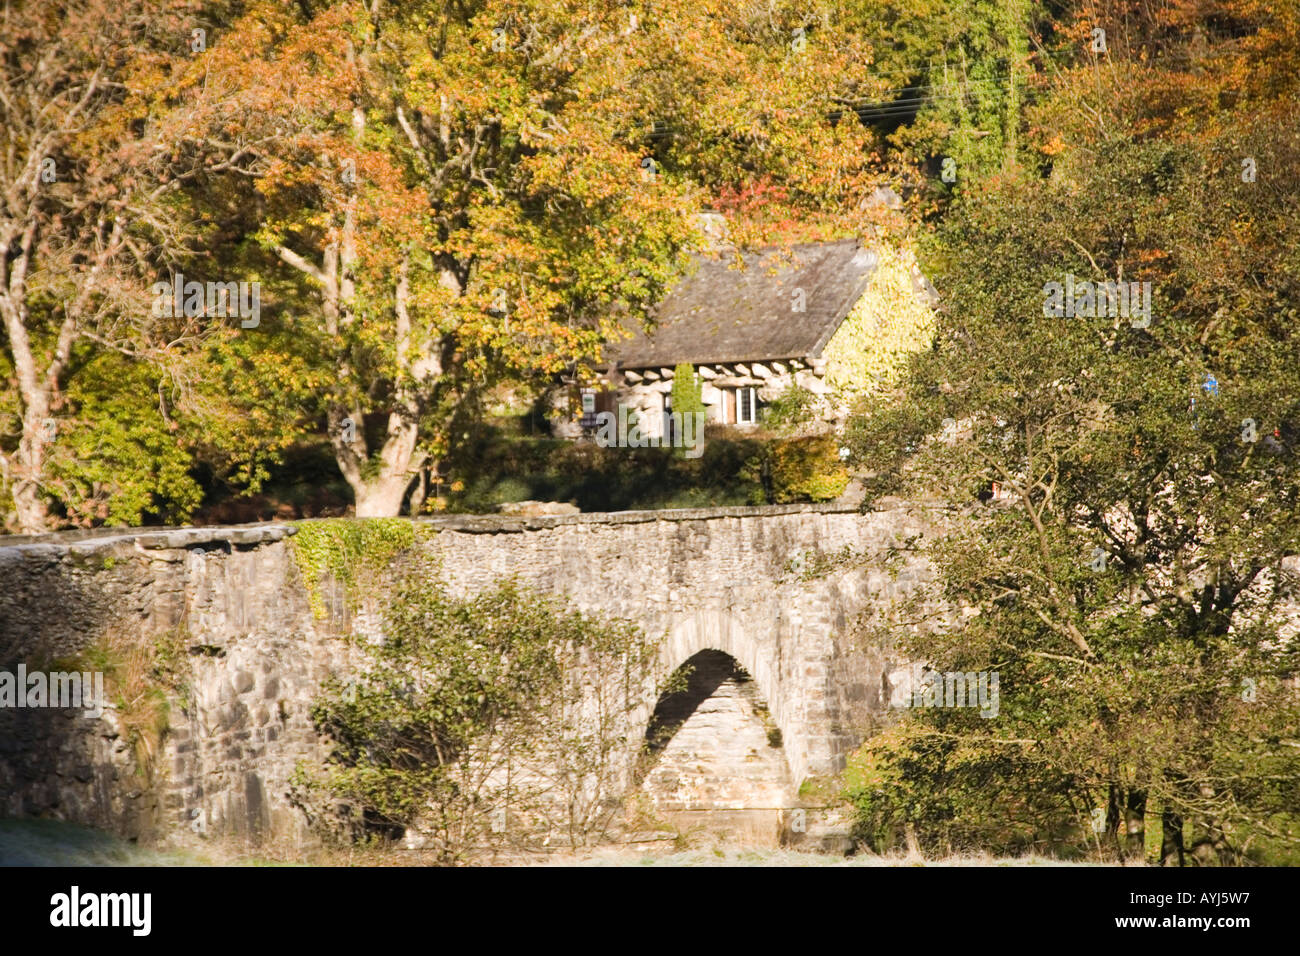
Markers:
point(1154, 832)
point(1135, 823)
point(31, 510)
point(383, 497)
point(913, 844)
point(421, 490)
point(35, 387)
point(381, 494)
point(1172, 831)
point(1115, 820)
point(31, 513)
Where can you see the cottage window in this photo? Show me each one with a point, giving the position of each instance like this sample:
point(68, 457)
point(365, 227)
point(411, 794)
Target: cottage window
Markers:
point(746, 406)
point(739, 406)
point(594, 401)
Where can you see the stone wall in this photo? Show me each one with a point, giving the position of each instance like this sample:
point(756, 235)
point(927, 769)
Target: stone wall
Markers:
point(644, 391)
point(718, 579)
point(237, 722)
point(253, 656)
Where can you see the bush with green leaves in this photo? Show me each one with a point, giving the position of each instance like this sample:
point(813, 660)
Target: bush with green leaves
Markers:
point(595, 478)
point(787, 470)
point(794, 407)
point(687, 392)
point(499, 720)
point(957, 798)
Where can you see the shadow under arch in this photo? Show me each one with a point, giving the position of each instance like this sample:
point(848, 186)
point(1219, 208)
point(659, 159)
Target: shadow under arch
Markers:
point(696, 680)
point(713, 757)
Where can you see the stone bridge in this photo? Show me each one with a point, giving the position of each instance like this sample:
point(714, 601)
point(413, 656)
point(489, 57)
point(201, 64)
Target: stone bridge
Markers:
point(767, 586)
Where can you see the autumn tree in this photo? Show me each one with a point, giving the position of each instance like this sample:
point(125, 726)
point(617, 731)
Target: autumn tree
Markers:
point(465, 193)
point(107, 404)
point(1172, 70)
point(68, 214)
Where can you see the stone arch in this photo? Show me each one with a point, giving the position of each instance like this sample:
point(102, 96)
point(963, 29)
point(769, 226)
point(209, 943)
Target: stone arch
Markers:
point(714, 760)
point(761, 657)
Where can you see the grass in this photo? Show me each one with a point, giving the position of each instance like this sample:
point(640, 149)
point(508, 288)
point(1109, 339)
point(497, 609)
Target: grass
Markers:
point(54, 843)
point(741, 856)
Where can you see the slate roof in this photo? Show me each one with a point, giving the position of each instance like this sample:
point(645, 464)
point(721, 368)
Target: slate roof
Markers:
point(722, 313)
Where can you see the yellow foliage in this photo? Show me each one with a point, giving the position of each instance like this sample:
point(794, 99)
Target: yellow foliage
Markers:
point(807, 468)
point(867, 354)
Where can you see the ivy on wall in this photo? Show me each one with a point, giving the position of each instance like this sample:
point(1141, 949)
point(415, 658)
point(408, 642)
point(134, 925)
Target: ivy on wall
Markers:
point(869, 351)
point(352, 551)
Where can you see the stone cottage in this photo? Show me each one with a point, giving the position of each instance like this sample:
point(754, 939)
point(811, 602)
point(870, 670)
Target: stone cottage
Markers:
point(820, 316)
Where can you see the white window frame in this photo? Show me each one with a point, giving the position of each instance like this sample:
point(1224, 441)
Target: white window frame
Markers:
point(753, 406)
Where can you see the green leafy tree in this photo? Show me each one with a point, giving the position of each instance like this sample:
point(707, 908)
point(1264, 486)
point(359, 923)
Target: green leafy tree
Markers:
point(687, 398)
point(687, 390)
point(961, 75)
point(1127, 583)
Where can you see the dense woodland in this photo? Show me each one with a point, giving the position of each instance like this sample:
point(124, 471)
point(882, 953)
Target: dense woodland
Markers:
point(446, 204)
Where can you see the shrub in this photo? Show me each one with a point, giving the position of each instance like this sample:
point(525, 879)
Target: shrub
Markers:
point(786, 470)
point(502, 718)
point(792, 408)
point(955, 799)
point(687, 391)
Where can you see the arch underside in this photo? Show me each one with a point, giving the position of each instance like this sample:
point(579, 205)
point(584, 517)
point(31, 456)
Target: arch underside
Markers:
point(760, 655)
point(714, 758)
